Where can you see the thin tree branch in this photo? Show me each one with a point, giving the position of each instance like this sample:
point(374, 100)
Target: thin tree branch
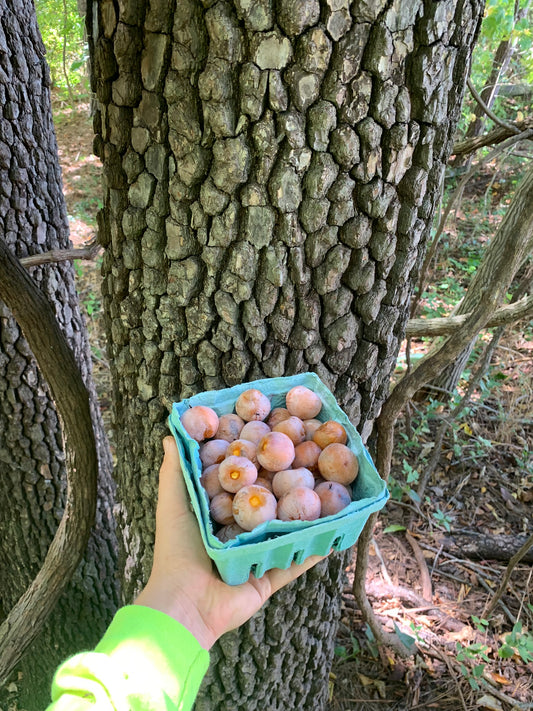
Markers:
point(488, 111)
point(417, 327)
point(508, 571)
point(36, 318)
point(89, 251)
point(497, 135)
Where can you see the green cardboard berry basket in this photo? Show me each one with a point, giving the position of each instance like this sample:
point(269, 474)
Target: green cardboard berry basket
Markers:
point(276, 544)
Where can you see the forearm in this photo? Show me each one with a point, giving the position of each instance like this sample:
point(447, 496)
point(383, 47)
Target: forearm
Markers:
point(145, 661)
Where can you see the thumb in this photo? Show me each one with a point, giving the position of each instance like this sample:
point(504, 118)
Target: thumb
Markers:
point(173, 499)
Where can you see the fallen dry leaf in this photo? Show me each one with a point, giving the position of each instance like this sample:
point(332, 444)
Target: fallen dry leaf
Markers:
point(489, 702)
point(498, 678)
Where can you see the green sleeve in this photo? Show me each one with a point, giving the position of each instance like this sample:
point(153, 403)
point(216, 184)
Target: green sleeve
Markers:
point(146, 661)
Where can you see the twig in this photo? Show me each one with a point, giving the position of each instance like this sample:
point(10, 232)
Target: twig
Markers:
point(453, 675)
point(451, 576)
point(496, 574)
point(410, 507)
point(489, 684)
point(427, 591)
point(381, 590)
point(436, 560)
point(497, 135)
point(510, 616)
point(384, 570)
point(90, 251)
point(489, 112)
point(526, 588)
point(517, 557)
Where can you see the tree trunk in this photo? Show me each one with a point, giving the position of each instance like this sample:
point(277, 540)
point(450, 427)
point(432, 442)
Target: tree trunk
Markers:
point(32, 476)
point(510, 246)
point(271, 172)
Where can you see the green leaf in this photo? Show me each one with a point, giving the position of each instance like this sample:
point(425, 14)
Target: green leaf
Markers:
point(405, 639)
point(394, 528)
point(505, 652)
point(473, 683)
point(478, 670)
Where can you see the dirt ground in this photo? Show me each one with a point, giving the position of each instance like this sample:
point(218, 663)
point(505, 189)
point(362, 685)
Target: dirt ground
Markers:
point(418, 582)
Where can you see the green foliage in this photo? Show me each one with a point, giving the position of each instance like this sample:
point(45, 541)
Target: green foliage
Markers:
point(517, 642)
point(472, 661)
point(399, 489)
point(407, 640)
point(473, 658)
point(443, 519)
point(372, 642)
point(89, 300)
point(499, 25)
point(344, 653)
point(62, 30)
point(87, 208)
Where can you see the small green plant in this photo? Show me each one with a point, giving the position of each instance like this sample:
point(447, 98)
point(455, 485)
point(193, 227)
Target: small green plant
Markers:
point(400, 489)
point(443, 519)
point(517, 642)
point(344, 653)
point(92, 304)
point(473, 658)
point(472, 661)
point(480, 623)
point(371, 642)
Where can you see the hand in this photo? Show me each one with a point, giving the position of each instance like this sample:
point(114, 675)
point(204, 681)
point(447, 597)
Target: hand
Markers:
point(183, 582)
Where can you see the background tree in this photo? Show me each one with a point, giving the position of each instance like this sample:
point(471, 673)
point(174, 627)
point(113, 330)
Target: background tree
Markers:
point(508, 26)
point(271, 171)
point(32, 464)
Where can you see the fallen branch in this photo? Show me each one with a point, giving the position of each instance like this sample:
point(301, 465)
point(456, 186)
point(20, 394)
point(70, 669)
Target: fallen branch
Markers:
point(382, 590)
point(487, 682)
point(36, 318)
point(483, 546)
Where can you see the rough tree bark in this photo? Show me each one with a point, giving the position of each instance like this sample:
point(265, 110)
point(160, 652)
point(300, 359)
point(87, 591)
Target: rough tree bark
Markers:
point(271, 170)
point(32, 477)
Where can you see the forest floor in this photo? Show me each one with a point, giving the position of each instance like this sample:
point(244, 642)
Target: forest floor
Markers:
point(434, 563)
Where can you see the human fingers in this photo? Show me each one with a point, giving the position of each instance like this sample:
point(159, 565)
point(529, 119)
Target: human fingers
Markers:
point(276, 578)
point(280, 578)
point(173, 499)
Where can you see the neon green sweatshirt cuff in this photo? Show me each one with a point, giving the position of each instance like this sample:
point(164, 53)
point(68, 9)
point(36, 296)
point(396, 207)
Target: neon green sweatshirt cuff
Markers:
point(146, 661)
